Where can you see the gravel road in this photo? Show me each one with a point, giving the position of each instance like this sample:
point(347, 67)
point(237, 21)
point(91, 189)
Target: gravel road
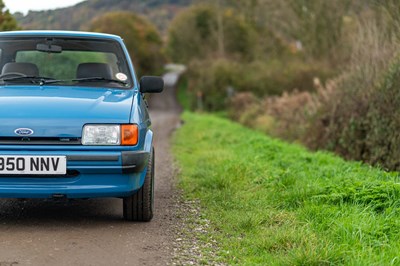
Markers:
point(92, 232)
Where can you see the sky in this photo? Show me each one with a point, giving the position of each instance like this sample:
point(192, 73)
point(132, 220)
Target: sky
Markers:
point(25, 5)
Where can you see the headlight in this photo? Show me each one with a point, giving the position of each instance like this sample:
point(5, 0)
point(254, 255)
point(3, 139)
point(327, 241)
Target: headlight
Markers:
point(101, 135)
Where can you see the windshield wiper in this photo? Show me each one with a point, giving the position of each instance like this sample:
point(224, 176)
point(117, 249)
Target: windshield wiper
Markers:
point(94, 79)
point(32, 79)
point(45, 80)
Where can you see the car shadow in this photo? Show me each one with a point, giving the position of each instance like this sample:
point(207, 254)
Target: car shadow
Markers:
point(52, 212)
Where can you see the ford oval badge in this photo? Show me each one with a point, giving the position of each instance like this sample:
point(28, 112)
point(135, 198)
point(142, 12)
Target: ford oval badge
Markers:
point(23, 131)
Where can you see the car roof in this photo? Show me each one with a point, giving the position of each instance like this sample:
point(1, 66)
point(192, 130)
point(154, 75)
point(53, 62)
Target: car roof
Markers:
point(58, 33)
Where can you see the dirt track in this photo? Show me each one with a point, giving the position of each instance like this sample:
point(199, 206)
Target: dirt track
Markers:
point(92, 232)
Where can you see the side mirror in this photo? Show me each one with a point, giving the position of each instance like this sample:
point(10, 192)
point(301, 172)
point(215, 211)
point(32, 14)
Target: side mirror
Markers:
point(151, 84)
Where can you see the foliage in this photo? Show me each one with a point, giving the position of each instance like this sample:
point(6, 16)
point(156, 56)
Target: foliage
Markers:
point(183, 96)
point(7, 21)
point(362, 120)
point(319, 25)
point(363, 124)
point(78, 17)
point(141, 38)
point(194, 35)
point(255, 57)
point(289, 116)
point(209, 81)
point(66, 62)
point(278, 204)
point(356, 113)
point(214, 78)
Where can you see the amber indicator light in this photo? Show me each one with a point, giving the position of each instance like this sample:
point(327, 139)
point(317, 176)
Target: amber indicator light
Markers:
point(129, 135)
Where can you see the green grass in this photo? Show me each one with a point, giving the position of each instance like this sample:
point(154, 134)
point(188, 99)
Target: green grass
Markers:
point(275, 203)
point(184, 97)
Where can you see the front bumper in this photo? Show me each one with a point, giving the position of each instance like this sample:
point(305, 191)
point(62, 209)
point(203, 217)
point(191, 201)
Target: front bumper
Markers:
point(90, 174)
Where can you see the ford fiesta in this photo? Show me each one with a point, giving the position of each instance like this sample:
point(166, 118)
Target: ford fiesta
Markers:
point(73, 120)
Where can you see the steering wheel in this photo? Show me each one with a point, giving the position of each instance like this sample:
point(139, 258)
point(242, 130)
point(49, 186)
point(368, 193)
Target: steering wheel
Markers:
point(12, 74)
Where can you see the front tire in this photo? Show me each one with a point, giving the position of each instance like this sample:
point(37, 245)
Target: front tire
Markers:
point(139, 206)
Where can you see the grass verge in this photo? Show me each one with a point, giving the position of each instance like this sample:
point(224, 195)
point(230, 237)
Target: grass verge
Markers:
point(275, 203)
point(183, 94)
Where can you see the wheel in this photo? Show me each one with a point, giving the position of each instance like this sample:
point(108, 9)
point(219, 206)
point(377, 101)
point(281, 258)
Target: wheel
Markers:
point(139, 206)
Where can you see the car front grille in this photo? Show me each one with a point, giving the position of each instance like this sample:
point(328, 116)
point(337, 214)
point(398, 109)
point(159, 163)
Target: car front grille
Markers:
point(39, 141)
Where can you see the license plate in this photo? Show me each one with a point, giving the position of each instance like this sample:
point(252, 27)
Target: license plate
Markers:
point(33, 165)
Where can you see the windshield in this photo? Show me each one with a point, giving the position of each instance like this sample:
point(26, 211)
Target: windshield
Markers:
point(63, 61)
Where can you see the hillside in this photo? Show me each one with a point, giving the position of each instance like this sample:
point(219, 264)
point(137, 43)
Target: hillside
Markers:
point(78, 17)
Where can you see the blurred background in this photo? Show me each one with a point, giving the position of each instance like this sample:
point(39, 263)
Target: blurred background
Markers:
point(322, 73)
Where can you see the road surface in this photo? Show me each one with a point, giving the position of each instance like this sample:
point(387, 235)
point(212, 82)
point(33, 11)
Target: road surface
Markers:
point(92, 232)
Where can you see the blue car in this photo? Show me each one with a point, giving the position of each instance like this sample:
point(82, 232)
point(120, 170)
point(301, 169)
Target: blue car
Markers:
point(73, 120)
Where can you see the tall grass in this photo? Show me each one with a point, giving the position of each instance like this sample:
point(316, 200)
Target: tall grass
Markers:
point(272, 203)
point(361, 121)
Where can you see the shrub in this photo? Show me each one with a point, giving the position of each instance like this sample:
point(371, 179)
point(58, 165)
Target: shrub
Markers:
point(242, 102)
point(361, 120)
point(209, 81)
point(140, 36)
point(357, 114)
point(290, 113)
point(213, 78)
point(382, 140)
point(287, 116)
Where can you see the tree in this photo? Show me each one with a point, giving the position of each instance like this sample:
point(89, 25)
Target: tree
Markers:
point(319, 25)
point(205, 31)
point(7, 21)
point(140, 36)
